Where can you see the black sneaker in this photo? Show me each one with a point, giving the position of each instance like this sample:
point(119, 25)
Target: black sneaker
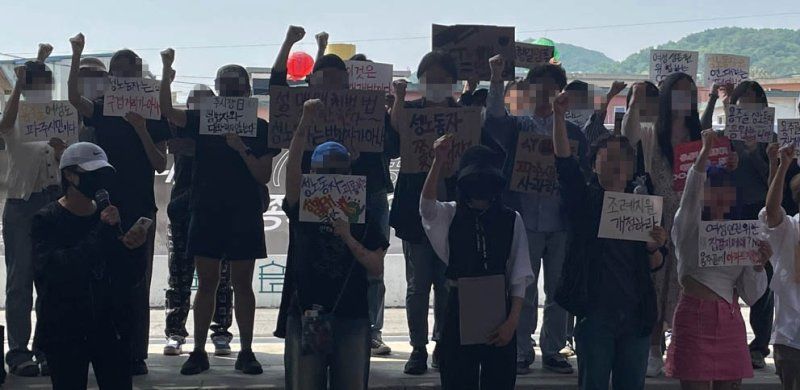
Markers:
point(44, 368)
point(197, 363)
point(27, 369)
point(138, 367)
point(435, 357)
point(559, 366)
point(523, 368)
point(757, 359)
point(417, 363)
point(246, 363)
point(378, 347)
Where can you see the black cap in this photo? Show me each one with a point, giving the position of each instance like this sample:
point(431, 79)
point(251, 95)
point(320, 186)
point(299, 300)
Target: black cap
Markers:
point(483, 161)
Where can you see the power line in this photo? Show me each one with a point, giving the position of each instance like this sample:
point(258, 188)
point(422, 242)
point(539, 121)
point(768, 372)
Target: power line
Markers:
point(393, 39)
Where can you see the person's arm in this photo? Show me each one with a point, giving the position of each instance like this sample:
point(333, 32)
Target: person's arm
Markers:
point(156, 153)
point(560, 138)
point(372, 260)
point(692, 199)
point(707, 119)
point(616, 88)
point(775, 213)
point(278, 73)
point(176, 116)
point(429, 206)
point(322, 44)
point(84, 106)
point(399, 106)
point(260, 167)
point(495, 107)
point(45, 49)
point(9, 117)
point(294, 169)
point(631, 123)
point(773, 160)
point(519, 277)
point(655, 255)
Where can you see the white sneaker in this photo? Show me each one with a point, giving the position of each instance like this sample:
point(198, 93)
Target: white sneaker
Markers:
point(655, 366)
point(173, 347)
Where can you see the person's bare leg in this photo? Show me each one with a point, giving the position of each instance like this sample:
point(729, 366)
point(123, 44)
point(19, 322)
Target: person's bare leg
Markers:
point(695, 385)
point(728, 385)
point(244, 299)
point(205, 298)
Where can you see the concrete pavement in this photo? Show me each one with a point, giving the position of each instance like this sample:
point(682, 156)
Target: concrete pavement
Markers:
point(386, 373)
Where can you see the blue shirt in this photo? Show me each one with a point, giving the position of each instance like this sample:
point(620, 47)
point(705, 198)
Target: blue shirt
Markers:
point(541, 213)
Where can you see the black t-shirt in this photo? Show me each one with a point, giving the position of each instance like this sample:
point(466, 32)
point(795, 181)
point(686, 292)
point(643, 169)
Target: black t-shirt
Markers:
point(84, 276)
point(321, 262)
point(132, 189)
point(184, 166)
point(221, 177)
point(614, 288)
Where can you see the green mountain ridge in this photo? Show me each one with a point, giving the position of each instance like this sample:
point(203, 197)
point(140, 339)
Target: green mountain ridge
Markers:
point(772, 52)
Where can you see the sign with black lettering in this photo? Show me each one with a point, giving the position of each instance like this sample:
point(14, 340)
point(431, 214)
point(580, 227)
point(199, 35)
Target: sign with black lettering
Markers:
point(729, 243)
point(534, 169)
point(666, 62)
point(131, 94)
point(43, 121)
point(223, 115)
point(327, 198)
point(369, 76)
point(420, 127)
point(629, 216)
point(471, 46)
point(789, 133)
point(530, 55)
point(725, 69)
point(744, 123)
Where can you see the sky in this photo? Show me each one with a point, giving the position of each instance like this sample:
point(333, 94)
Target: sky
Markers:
point(386, 31)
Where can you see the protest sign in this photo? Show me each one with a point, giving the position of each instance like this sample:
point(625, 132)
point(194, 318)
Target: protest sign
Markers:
point(529, 55)
point(420, 127)
point(224, 115)
point(748, 124)
point(686, 154)
point(131, 94)
point(666, 62)
point(534, 169)
point(579, 117)
point(369, 76)
point(42, 121)
point(356, 119)
point(471, 46)
point(326, 198)
point(789, 133)
point(729, 243)
point(629, 216)
point(725, 69)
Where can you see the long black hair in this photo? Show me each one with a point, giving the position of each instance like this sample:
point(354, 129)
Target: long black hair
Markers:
point(664, 124)
point(749, 85)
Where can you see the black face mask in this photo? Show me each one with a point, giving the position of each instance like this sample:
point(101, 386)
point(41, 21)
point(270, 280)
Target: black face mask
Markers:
point(90, 182)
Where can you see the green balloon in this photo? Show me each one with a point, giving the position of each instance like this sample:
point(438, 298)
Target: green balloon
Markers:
point(549, 42)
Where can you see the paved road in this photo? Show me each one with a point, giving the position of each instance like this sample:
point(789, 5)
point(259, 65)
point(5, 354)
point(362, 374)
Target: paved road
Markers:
point(386, 373)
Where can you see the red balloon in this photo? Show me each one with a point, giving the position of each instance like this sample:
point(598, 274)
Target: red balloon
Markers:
point(299, 65)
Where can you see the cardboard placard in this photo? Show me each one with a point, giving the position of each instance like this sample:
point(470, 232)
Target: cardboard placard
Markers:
point(789, 133)
point(726, 69)
point(224, 115)
point(471, 46)
point(327, 198)
point(666, 62)
point(579, 117)
point(42, 121)
point(370, 76)
point(530, 55)
point(728, 243)
point(420, 127)
point(131, 94)
point(686, 154)
point(629, 216)
point(747, 124)
point(356, 119)
point(534, 169)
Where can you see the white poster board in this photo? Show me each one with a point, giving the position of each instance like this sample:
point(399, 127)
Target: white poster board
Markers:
point(629, 216)
point(789, 133)
point(744, 123)
point(728, 243)
point(726, 69)
point(326, 198)
point(224, 115)
point(369, 76)
point(666, 62)
point(43, 121)
point(131, 94)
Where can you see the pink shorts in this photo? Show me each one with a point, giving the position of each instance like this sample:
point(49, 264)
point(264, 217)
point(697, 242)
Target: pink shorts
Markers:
point(709, 342)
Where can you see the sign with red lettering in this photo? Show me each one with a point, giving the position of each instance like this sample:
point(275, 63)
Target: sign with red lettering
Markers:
point(420, 127)
point(666, 62)
point(686, 154)
point(327, 198)
point(534, 169)
point(369, 76)
point(729, 243)
point(629, 216)
point(356, 119)
point(131, 94)
point(471, 46)
point(43, 121)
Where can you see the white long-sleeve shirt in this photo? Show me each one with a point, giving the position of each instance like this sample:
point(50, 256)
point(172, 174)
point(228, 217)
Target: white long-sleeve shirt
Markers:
point(436, 219)
point(749, 283)
point(784, 239)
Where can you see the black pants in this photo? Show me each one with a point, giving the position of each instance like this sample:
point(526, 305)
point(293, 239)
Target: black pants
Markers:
point(69, 363)
point(761, 318)
point(140, 308)
point(181, 277)
point(468, 367)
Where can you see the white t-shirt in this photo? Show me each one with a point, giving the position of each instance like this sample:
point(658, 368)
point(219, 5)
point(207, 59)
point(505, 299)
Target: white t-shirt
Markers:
point(784, 238)
point(32, 166)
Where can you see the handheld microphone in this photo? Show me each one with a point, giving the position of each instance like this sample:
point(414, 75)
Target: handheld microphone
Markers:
point(103, 201)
